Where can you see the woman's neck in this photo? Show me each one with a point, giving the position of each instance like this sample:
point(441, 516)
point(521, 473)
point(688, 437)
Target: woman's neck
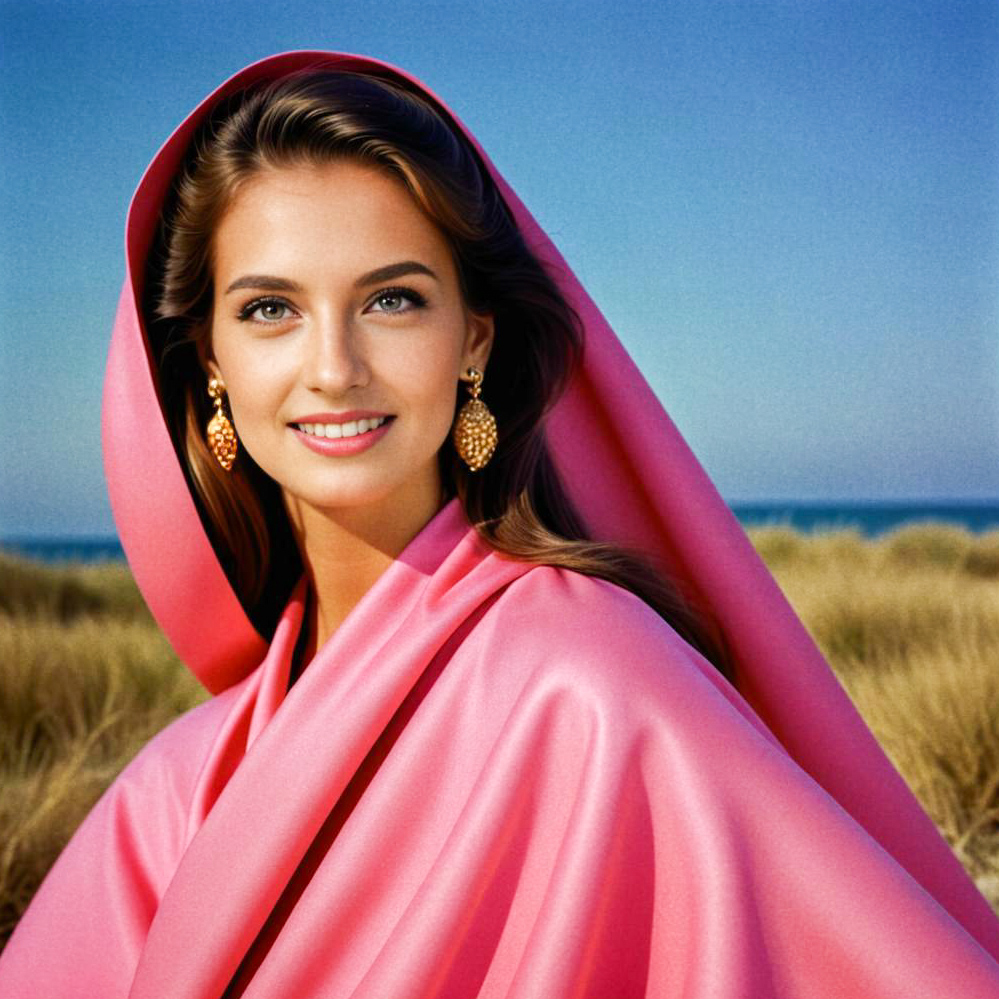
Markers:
point(345, 552)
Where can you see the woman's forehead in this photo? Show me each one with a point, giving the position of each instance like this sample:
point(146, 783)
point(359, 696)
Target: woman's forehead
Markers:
point(344, 215)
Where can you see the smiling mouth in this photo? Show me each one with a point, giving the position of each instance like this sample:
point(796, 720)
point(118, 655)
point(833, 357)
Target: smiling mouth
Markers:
point(353, 428)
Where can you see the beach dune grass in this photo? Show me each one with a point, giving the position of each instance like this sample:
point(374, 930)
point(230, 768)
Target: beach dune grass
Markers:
point(909, 622)
point(86, 679)
point(66, 592)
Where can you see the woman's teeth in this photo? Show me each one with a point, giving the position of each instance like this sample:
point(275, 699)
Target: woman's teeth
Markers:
point(351, 429)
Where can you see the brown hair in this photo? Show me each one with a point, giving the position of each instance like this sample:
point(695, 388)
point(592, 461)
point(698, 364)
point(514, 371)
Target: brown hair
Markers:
point(517, 502)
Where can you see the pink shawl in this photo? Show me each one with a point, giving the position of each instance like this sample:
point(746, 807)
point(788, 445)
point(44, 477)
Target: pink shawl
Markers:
point(494, 779)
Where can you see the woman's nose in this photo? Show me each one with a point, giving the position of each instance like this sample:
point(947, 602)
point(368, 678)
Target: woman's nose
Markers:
point(335, 363)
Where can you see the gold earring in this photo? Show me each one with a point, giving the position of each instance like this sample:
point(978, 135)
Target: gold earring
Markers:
point(474, 433)
point(220, 432)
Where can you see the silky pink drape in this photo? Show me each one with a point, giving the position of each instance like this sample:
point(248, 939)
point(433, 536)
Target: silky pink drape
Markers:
point(494, 780)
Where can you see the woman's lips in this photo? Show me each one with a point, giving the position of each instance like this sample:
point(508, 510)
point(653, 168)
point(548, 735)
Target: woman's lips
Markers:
point(333, 446)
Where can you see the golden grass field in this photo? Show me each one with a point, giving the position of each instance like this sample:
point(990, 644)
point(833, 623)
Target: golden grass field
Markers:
point(909, 622)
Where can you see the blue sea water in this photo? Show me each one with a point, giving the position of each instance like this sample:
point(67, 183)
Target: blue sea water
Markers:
point(65, 549)
point(871, 519)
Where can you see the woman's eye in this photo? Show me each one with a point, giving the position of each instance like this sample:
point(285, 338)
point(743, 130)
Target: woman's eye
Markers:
point(396, 300)
point(267, 310)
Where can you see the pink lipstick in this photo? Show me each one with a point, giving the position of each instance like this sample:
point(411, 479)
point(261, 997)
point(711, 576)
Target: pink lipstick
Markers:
point(341, 446)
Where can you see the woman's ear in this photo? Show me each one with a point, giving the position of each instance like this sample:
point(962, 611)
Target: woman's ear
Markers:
point(213, 369)
point(206, 358)
point(479, 335)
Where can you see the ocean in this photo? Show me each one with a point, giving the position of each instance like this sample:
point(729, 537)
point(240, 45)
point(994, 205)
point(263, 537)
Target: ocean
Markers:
point(871, 519)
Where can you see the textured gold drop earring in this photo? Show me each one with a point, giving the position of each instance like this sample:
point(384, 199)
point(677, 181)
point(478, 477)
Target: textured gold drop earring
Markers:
point(474, 433)
point(220, 432)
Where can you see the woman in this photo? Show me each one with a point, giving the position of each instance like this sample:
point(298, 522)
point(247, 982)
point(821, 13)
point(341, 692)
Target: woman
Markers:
point(508, 711)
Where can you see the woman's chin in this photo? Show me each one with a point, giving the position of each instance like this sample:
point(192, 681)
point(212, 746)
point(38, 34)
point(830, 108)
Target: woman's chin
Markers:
point(362, 500)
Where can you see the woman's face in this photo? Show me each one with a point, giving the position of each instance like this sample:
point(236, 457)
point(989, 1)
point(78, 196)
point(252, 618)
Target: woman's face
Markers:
point(337, 300)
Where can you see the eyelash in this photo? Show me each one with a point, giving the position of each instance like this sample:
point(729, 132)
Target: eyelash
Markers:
point(247, 311)
point(415, 299)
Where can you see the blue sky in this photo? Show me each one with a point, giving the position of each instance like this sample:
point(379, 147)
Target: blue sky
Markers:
point(789, 211)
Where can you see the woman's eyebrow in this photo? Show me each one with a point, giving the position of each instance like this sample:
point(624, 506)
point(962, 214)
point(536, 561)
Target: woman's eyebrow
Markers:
point(392, 271)
point(265, 281)
point(269, 282)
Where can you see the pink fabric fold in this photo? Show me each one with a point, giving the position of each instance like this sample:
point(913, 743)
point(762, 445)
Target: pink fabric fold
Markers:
point(447, 809)
point(495, 780)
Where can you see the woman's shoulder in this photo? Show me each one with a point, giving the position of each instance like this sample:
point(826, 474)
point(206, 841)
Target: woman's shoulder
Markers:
point(580, 608)
point(593, 624)
point(603, 645)
point(172, 759)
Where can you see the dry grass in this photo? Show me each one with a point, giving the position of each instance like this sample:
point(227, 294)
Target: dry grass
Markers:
point(910, 624)
point(86, 679)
